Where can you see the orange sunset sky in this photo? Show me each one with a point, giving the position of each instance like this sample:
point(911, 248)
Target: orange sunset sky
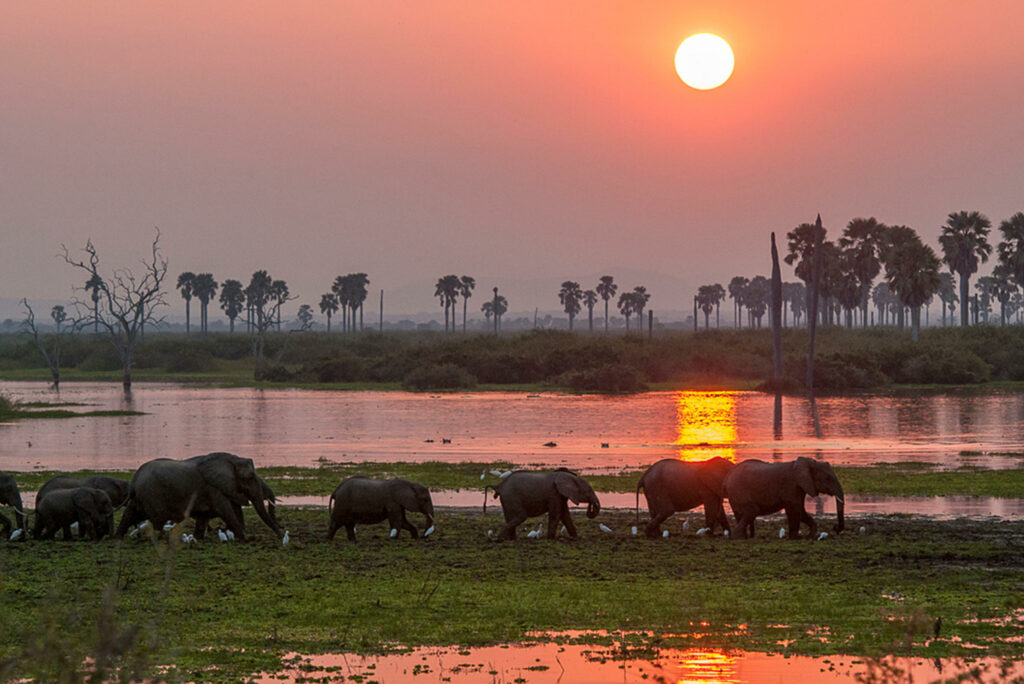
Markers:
point(523, 143)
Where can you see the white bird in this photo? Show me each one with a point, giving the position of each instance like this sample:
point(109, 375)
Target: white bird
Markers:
point(604, 528)
point(220, 535)
point(16, 534)
point(187, 538)
point(394, 533)
point(665, 534)
point(686, 525)
point(168, 526)
point(863, 529)
point(430, 531)
point(230, 535)
point(496, 473)
point(703, 530)
point(285, 539)
point(490, 533)
point(74, 527)
point(483, 474)
point(633, 530)
point(505, 474)
point(726, 533)
point(532, 534)
point(823, 535)
point(782, 532)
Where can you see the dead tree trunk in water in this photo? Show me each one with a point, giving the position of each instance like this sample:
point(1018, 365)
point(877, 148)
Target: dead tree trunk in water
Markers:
point(776, 312)
point(812, 301)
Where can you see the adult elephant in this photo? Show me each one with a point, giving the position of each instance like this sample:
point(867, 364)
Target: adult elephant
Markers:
point(10, 496)
point(203, 518)
point(757, 488)
point(672, 485)
point(365, 501)
point(525, 494)
point(116, 489)
point(213, 485)
point(89, 507)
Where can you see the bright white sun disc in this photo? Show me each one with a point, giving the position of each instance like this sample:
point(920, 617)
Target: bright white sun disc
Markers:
point(704, 61)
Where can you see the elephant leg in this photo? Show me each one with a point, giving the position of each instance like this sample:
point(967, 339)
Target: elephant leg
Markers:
point(566, 518)
point(806, 517)
point(5, 525)
point(409, 526)
point(350, 532)
point(202, 524)
point(226, 512)
point(653, 529)
point(67, 532)
point(131, 516)
point(793, 518)
point(332, 528)
point(744, 526)
point(508, 530)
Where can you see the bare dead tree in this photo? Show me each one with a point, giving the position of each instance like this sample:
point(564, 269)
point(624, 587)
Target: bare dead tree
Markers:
point(127, 302)
point(50, 345)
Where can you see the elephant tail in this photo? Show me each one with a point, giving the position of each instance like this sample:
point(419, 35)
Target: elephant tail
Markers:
point(639, 486)
point(486, 487)
point(330, 507)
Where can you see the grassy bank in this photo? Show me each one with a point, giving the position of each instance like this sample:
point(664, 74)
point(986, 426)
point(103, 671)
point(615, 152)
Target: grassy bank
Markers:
point(891, 479)
point(221, 611)
point(581, 361)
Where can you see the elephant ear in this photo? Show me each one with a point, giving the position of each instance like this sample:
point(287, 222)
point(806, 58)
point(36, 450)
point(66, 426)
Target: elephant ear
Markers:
point(219, 473)
point(405, 495)
point(712, 475)
point(570, 486)
point(805, 475)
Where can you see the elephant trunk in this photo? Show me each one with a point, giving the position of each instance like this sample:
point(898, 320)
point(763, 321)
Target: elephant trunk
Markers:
point(840, 506)
point(265, 516)
point(593, 508)
point(19, 513)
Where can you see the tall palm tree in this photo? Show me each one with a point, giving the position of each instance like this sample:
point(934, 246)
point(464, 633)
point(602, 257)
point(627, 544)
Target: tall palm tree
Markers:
point(232, 300)
point(794, 297)
point(893, 243)
point(570, 296)
point(500, 307)
point(328, 306)
point(279, 292)
point(342, 289)
point(861, 240)
point(986, 286)
point(466, 285)
point(95, 286)
point(912, 272)
point(1011, 249)
point(640, 299)
point(758, 296)
point(737, 290)
point(447, 292)
point(1004, 286)
point(589, 300)
point(185, 282)
point(964, 242)
point(706, 303)
point(718, 293)
point(488, 310)
point(606, 288)
point(204, 287)
point(627, 306)
point(947, 295)
point(357, 284)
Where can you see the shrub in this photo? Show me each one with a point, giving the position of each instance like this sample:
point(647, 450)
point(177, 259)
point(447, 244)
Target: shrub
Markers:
point(944, 366)
point(190, 359)
point(611, 379)
point(340, 368)
point(444, 376)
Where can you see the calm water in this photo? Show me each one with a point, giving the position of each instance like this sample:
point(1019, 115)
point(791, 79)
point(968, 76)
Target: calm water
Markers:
point(299, 427)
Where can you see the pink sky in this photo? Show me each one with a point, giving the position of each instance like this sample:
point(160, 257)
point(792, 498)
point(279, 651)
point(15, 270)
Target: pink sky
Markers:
point(503, 140)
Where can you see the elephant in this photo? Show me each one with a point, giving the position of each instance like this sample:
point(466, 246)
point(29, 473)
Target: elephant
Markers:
point(91, 508)
point(10, 496)
point(216, 484)
point(672, 485)
point(115, 488)
point(364, 501)
point(525, 494)
point(202, 518)
point(757, 488)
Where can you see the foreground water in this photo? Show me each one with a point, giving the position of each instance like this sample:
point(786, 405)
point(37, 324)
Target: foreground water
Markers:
point(302, 427)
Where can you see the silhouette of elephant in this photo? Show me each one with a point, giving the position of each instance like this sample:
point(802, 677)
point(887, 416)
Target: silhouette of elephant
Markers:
point(672, 485)
point(365, 501)
point(61, 508)
point(525, 494)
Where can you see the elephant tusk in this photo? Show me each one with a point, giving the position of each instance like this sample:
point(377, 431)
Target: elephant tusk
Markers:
point(840, 499)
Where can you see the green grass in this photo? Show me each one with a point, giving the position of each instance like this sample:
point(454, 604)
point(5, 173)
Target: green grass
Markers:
point(890, 479)
point(239, 608)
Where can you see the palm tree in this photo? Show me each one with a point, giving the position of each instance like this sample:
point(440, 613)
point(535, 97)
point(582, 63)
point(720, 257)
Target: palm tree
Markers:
point(885, 301)
point(1004, 286)
point(589, 300)
point(305, 317)
point(861, 241)
point(964, 242)
point(500, 307)
point(342, 289)
point(737, 290)
point(912, 272)
point(357, 286)
point(570, 296)
point(706, 299)
point(794, 298)
point(947, 295)
point(447, 291)
point(279, 292)
point(466, 285)
point(232, 300)
point(894, 240)
point(95, 284)
point(1011, 249)
point(328, 306)
point(640, 299)
point(488, 310)
point(985, 286)
point(627, 306)
point(606, 288)
point(759, 294)
point(801, 241)
point(204, 287)
point(185, 282)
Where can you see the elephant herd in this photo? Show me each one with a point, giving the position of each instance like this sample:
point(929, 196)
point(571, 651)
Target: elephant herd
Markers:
point(163, 492)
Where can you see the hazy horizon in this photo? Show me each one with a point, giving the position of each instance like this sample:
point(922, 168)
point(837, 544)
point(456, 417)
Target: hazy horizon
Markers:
point(522, 143)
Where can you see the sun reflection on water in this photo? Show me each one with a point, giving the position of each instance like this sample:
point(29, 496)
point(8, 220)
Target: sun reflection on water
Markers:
point(706, 425)
point(707, 667)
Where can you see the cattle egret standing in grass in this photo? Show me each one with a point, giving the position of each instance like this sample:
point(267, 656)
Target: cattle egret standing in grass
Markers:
point(862, 529)
point(74, 527)
point(285, 539)
point(168, 526)
point(604, 528)
point(16, 534)
point(220, 535)
point(505, 474)
point(782, 532)
point(703, 530)
point(633, 530)
point(686, 525)
point(664, 534)
point(822, 536)
point(394, 533)
point(230, 535)
point(483, 474)
point(430, 531)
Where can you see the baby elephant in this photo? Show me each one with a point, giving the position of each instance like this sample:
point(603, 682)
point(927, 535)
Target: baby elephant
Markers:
point(364, 501)
point(115, 488)
point(87, 506)
point(526, 494)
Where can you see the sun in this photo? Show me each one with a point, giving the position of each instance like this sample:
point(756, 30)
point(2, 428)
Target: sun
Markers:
point(704, 61)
